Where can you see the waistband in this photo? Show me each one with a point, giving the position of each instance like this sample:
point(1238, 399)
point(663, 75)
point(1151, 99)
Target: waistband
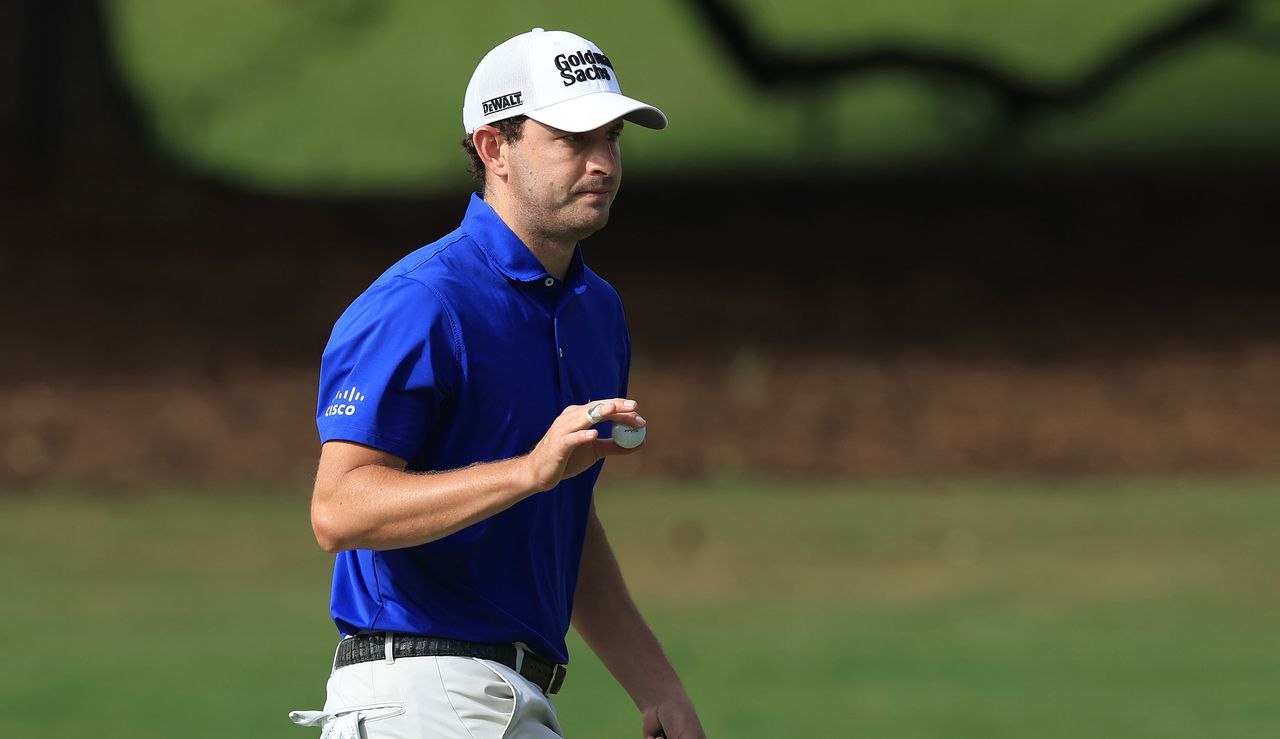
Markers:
point(548, 676)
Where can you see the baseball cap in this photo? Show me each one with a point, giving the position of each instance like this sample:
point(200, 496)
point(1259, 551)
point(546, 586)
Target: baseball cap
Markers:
point(554, 77)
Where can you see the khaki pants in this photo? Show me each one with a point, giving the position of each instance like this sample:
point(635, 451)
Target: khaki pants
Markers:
point(432, 698)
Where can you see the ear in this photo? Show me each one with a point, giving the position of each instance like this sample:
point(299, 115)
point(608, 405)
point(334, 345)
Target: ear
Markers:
point(492, 149)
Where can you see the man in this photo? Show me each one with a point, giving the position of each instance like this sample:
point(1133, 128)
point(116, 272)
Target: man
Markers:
point(459, 404)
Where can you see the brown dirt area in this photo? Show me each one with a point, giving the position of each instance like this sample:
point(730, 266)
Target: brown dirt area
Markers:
point(916, 416)
point(175, 345)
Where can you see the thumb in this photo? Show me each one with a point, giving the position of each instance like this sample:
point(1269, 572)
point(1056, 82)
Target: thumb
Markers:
point(651, 726)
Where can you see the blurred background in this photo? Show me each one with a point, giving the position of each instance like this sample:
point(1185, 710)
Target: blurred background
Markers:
point(956, 324)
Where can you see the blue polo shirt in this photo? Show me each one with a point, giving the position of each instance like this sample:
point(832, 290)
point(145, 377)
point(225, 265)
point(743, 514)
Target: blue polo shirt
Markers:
point(465, 351)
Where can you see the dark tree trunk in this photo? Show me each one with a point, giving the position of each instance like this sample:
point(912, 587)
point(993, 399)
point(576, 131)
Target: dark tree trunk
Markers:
point(65, 108)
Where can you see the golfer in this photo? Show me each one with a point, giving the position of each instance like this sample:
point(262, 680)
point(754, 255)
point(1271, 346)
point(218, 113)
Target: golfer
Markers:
point(466, 400)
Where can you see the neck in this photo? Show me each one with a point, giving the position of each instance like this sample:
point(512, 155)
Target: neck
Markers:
point(553, 252)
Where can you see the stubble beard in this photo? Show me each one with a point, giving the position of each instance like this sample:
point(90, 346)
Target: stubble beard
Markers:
point(590, 219)
point(590, 216)
point(572, 219)
point(566, 217)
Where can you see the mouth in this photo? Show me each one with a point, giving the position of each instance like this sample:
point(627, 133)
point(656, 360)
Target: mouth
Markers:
point(596, 190)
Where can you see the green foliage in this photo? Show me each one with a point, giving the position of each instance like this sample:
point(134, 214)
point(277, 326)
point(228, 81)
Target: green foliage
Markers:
point(1000, 610)
point(357, 95)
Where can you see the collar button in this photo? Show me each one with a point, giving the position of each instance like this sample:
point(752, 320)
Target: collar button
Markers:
point(549, 281)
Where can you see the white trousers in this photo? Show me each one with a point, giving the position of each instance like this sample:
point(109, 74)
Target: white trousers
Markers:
point(432, 698)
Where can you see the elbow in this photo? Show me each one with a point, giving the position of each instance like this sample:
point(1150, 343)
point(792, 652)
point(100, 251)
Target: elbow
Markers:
point(325, 524)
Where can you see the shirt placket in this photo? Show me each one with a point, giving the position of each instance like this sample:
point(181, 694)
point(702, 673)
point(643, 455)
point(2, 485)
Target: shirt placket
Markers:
point(549, 293)
point(565, 347)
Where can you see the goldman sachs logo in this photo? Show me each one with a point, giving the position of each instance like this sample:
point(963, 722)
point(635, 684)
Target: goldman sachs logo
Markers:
point(583, 66)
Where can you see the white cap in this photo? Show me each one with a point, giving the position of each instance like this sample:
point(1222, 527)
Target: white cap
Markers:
point(554, 77)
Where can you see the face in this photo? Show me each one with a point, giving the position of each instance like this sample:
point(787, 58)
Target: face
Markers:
point(562, 183)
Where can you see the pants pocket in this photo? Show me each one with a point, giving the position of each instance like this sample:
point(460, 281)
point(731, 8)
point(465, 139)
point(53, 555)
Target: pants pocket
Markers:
point(482, 699)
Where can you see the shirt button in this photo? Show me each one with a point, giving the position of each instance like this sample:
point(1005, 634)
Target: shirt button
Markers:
point(549, 281)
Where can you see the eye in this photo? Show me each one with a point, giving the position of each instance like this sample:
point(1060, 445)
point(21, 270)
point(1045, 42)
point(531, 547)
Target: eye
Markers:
point(615, 134)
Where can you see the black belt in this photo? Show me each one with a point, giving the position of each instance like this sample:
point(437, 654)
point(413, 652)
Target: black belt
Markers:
point(369, 647)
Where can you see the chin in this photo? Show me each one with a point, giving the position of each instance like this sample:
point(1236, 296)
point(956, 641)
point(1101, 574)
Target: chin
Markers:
point(589, 223)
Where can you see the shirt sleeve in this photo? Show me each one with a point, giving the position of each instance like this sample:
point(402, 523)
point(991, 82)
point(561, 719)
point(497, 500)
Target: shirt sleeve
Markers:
point(387, 369)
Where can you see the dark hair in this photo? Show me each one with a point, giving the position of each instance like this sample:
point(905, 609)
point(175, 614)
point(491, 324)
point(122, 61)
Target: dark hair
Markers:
point(509, 128)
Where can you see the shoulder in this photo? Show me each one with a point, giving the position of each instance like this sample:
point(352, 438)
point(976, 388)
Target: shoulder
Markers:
point(395, 294)
point(430, 263)
point(432, 273)
point(454, 268)
point(401, 308)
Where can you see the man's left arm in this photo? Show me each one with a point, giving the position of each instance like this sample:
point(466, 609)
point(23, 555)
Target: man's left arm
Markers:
point(607, 619)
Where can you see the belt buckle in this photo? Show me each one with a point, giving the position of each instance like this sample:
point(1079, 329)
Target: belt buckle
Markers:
point(557, 679)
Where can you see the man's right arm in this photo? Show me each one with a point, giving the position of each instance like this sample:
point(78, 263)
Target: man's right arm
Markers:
point(365, 499)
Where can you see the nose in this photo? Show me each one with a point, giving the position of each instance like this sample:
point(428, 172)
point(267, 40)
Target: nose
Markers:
point(604, 159)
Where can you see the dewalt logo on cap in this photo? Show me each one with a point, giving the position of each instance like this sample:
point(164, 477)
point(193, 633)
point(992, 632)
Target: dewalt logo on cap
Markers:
point(502, 102)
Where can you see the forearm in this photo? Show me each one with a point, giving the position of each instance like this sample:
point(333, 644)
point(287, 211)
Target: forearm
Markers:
point(364, 498)
point(380, 507)
point(608, 620)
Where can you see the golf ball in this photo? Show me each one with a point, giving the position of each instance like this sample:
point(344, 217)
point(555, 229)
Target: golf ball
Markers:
point(627, 437)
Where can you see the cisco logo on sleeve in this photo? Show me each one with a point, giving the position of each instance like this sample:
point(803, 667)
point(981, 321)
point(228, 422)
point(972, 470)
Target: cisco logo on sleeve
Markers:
point(347, 407)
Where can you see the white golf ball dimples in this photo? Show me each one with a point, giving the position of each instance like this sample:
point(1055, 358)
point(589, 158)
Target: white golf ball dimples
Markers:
point(627, 437)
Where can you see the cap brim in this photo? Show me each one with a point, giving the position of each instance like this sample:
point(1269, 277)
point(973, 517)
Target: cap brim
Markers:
point(589, 112)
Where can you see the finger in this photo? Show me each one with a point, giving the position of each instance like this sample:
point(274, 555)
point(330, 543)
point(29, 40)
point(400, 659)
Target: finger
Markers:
point(630, 419)
point(569, 442)
point(596, 412)
point(578, 438)
point(600, 410)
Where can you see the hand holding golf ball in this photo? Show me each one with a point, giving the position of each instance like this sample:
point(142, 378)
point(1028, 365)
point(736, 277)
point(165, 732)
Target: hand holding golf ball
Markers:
point(624, 434)
point(571, 445)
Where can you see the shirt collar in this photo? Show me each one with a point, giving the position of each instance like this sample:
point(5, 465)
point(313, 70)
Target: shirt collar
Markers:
point(507, 252)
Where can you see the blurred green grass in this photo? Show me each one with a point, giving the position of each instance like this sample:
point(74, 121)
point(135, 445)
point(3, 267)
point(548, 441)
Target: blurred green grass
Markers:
point(968, 610)
point(316, 96)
